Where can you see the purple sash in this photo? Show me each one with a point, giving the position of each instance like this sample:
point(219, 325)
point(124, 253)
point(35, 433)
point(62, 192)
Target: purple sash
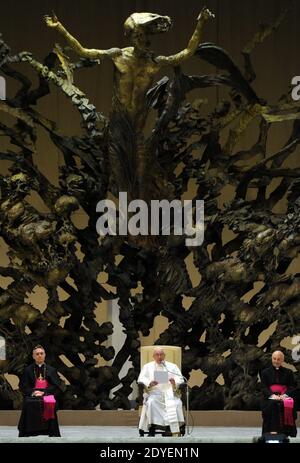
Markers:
point(41, 384)
point(49, 400)
point(49, 405)
point(288, 404)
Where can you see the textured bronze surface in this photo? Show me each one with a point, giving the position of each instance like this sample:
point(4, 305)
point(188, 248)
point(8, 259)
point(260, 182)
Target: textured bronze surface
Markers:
point(219, 331)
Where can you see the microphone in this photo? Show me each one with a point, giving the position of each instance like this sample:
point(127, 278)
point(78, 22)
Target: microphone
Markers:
point(173, 372)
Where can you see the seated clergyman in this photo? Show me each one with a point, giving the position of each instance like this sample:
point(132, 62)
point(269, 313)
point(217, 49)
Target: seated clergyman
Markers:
point(278, 407)
point(40, 385)
point(162, 405)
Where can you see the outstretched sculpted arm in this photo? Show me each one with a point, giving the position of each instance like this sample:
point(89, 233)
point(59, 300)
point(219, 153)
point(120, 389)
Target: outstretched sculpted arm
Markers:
point(175, 60)
point(91, 53)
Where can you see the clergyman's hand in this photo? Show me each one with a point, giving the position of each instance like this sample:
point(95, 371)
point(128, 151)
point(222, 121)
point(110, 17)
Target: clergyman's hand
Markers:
point(38, 393)
point(172, 381)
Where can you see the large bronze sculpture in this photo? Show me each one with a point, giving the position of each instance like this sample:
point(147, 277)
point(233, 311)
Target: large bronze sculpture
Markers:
point(134, 168)
point(219, 331)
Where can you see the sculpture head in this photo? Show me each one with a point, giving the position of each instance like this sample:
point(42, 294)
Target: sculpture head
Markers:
point(18, 184)
point(144, 24)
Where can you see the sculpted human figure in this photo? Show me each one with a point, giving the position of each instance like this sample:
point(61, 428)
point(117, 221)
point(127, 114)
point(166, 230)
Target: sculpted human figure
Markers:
point(136, 66)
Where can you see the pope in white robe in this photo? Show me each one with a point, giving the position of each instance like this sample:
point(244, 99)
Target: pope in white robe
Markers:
point(162, 404)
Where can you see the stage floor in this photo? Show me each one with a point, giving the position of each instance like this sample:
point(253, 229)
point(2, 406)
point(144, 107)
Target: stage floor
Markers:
point(129, 434)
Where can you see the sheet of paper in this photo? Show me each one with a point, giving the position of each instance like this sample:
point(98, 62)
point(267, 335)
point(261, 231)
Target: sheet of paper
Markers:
point(161, 376)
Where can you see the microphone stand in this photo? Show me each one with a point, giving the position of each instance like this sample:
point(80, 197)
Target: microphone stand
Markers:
point(187, 396)
point(187, 408)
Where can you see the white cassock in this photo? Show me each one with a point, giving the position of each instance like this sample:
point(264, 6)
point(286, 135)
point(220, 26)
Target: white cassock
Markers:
point(161, 406)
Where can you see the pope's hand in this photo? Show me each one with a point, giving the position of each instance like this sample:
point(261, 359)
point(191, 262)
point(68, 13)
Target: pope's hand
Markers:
point(153, 383)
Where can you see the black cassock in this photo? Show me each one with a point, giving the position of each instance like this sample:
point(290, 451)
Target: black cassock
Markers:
point(273, 410)
point(31, 421)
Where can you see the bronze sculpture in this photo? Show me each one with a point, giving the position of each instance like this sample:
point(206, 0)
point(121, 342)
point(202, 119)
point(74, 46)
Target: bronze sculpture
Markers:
point(43, 245)
point(135, 68)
